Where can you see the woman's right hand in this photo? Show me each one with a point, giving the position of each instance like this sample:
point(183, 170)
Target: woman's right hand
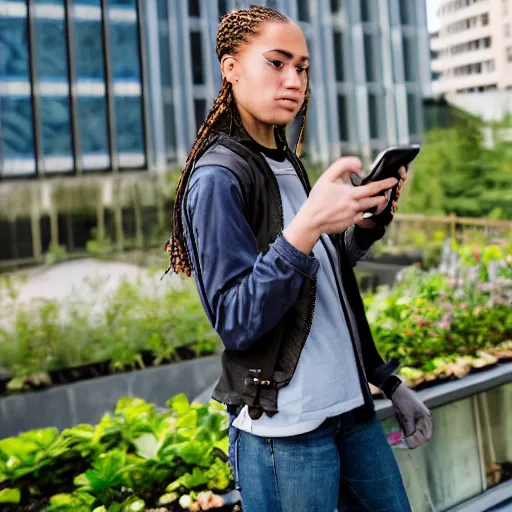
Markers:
point(333, 206)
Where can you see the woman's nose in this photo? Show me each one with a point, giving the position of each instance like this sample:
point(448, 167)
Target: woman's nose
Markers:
point(293, 79)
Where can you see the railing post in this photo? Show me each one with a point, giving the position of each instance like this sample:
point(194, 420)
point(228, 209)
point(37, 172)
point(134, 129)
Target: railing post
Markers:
point(453, 224)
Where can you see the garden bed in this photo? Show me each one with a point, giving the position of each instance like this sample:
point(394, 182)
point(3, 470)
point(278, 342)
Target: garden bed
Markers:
point(84, 402)
point(137, 458)
point(98, 331)
point(144, 458)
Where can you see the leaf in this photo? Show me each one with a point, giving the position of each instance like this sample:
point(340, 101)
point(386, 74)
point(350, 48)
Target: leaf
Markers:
point(193, 452)
point(195, 479)
point(173, 486)
point(10, 496)
point(80, 480)
point(179, 404)
point(188, 419)
point(133, 504)
point(223, 444)
point(168, 498)
point(147, 446)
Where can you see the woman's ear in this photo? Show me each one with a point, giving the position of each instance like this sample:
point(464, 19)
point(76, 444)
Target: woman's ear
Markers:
point(229, 69)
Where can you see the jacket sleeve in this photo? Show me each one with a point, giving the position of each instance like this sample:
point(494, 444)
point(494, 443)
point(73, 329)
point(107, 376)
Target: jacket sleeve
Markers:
point(245, 293)
point(357, 241)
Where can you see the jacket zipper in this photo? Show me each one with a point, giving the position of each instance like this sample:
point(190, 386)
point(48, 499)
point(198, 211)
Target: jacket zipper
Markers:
point(303, 177)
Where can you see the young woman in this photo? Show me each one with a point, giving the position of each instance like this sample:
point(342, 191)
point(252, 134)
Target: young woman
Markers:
point(273, 259)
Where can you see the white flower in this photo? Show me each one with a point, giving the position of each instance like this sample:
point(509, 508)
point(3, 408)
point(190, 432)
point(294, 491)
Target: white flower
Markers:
point(185, 501)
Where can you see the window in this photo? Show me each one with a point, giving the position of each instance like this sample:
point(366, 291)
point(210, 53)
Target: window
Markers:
point(91, 106)
point(487, 66)
point(373, 116)
point(506, 30)
point(194, 9)
point(409, 59)
point(412, 117)
point(303, 10)
point(52, 69)
point(509, 54)
point(336, 6)
point(338, 56)
point(406, 10)
point(365, 11)
point(343, 115)
point(199, 112)
point(197, 58)
point(485, 19)
point(369, 60)
point(15, 106)
point(124, 47)
point(223, 8)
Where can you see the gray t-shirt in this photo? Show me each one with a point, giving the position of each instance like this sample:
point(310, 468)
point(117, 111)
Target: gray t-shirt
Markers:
point(326, 381)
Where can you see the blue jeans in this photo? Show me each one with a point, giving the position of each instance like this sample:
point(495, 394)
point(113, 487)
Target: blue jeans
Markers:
point(346, 463)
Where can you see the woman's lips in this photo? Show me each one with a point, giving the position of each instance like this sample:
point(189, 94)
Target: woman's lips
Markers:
point(288, 103)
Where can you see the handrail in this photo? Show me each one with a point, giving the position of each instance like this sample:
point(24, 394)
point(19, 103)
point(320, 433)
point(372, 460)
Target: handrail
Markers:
point(449, 219)
point(443, 394)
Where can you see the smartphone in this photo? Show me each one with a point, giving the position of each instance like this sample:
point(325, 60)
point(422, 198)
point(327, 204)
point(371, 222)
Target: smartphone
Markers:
point(386, 165)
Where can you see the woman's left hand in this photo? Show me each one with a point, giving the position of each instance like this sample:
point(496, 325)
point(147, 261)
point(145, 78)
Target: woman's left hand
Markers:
point(370, 223)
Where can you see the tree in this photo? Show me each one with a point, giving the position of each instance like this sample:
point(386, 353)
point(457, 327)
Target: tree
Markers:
point(456, 172)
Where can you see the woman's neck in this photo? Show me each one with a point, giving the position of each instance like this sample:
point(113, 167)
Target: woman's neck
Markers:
point(262, 133)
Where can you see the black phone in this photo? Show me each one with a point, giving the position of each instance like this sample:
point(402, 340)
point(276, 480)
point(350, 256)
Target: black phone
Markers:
point(386, 165)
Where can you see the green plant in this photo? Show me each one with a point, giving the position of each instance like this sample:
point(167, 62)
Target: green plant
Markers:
point(136, 455)
point(45, 335)
point(100, 247)
point(55, 254)
point(445, 322)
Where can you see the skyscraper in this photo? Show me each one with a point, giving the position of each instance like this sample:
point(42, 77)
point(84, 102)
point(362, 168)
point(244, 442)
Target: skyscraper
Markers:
point(107, 85)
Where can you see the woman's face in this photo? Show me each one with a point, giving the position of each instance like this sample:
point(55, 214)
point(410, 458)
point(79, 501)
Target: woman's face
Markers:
point(269, 73)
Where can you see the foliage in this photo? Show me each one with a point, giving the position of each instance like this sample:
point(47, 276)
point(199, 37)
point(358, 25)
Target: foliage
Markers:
point(99, 246)
point(449, 319)
point(456, 171)
point(47, 335)
point(135, 456)
point(55, 254)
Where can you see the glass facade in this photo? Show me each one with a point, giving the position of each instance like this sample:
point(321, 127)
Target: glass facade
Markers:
point(64, 61)
point(107, 85)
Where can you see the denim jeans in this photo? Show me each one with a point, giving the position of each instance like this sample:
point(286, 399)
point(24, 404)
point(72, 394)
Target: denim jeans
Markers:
point(345, 464)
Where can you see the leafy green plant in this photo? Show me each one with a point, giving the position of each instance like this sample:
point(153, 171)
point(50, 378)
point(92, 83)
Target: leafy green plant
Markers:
point(135, 456)
point(55, 254)
point(45, 335)
point(448, 320)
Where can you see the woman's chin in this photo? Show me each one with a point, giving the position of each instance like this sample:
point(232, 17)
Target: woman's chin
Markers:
point(282, 118)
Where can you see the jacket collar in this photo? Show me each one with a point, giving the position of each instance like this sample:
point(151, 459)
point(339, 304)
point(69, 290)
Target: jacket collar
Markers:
point(232, 125)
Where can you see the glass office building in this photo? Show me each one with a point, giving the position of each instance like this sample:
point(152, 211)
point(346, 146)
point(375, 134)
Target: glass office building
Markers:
point(119, 85)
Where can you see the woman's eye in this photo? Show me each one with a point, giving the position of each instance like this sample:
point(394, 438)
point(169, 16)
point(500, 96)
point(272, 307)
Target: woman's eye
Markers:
point(301, 69)
point(276, 63)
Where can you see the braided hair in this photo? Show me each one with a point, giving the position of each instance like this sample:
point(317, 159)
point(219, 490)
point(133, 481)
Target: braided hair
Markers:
point(234, 29)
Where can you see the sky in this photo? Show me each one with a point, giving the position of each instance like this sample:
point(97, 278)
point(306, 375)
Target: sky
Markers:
point(433, 23)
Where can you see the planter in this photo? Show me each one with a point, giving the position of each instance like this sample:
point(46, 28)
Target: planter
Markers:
point(5, 377)
point(78, 373)
point(87, 401)
point(472, 445)
point(398, 259)
point(62, 376)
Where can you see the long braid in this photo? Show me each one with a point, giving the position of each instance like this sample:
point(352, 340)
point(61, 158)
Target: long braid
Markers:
point(234, 29)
